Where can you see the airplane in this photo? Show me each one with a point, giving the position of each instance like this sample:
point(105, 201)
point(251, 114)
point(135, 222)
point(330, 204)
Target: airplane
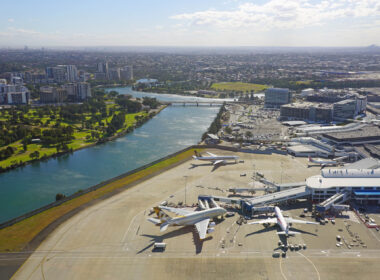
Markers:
point(324, 163)
point(216, 160)
point(284, 223)
point(200, 219)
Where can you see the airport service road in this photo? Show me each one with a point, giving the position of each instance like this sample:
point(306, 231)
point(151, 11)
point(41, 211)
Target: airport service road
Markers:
point(113, 240)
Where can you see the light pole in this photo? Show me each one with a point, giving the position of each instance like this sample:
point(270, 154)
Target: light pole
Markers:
point(185, 187)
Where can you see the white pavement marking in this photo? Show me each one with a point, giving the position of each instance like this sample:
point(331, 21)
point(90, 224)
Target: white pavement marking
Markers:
point(282, 272)
point(319, 277)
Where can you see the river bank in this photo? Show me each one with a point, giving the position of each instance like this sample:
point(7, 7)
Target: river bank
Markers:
point(16, 234)
point(35, 185)
point(75, 146)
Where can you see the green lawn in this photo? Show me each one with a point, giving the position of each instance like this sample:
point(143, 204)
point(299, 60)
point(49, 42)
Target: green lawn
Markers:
point(80, 140)
point(238, 86)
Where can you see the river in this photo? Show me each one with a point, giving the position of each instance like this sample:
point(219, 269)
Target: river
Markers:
point(27, 188)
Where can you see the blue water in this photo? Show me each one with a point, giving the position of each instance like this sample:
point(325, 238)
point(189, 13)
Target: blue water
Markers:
point(30, 187)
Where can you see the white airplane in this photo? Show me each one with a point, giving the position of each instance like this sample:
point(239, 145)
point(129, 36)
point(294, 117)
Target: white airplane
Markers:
point(199, 219)
point(284, 223)
point(216, 160)
point(324, 163)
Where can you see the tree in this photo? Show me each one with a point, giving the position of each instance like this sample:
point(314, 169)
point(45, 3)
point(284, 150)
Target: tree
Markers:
point(59, 196)
point(35, 155)
point(248, 134)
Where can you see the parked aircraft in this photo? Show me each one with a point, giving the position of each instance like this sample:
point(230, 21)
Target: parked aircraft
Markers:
point(324, 163)
point(216, 160)
point(200, 219)
point(284, 223)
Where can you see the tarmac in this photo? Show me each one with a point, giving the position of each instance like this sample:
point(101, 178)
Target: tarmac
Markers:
point(114, 240)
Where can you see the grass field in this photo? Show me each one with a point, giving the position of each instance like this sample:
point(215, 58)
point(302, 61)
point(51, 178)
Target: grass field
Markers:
point(14, 238)
point(238, 86)
point(80, 140)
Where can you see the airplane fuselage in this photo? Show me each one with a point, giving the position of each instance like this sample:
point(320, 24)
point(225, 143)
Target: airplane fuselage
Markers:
point(281, 220)
point(217, 158)
point(192, 218)
point(323, 162)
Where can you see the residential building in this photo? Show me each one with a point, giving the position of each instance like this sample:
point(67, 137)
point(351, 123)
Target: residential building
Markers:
point(126, 73)
point(13, 94)
point(102, 67)
point(114, 74)
point(275, 97)
point(77, 91)
point(52, 95)
point(83, 91)
point(18, 97)
point(100, 76)
point(71, 73)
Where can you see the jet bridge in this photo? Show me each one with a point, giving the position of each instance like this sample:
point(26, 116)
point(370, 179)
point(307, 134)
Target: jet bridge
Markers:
point(281, 196)
point(249, 206)
point(331, 201)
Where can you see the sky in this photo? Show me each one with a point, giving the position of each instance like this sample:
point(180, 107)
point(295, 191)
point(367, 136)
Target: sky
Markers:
point(50, 23)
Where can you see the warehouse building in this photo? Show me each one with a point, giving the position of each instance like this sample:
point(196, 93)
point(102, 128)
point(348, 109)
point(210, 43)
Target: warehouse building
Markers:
point(363, 135)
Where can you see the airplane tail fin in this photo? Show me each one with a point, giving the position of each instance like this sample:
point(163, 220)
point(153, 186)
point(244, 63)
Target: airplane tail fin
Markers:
point(162, 216)
point(196, 153)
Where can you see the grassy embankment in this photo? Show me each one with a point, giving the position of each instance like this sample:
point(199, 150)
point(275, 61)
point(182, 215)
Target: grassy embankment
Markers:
point(238, 86)
point(82, 136)
point(14, 238)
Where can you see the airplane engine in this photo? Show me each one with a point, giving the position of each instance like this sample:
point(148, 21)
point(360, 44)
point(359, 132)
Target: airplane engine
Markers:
point(212, 224)
point(266, 225)
point(210, 230)
point(290, 224)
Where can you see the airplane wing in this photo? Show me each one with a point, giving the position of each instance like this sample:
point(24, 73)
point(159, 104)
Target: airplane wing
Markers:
point(295, 221)
point(201, 227)
point(177, 211)
point(266, 221)
point(211, 154)
point(217, 162)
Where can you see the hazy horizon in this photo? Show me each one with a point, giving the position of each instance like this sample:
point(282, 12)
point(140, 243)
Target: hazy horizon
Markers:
point(197, 23)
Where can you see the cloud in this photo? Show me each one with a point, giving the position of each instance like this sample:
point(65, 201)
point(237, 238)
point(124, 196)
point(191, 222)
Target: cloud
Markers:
point(23, 31)
point(282, 14)
point(11, 20)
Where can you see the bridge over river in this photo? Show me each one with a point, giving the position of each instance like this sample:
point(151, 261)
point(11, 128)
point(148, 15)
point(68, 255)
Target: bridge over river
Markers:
point(184, 103)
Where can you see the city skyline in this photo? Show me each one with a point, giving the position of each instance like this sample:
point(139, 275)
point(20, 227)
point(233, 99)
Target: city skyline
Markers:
point(197, 23)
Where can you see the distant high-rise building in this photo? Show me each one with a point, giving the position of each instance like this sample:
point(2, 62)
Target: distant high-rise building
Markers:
point(83, 91)
point(126, 73)
point(103, 67)
point(114, 74)
point(13, 94)
point(52, 95)
point(77, 91)
point(58, 73)
point(71, 73)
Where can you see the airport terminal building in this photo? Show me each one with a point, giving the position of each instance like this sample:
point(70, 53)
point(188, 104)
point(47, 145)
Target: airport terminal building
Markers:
point(359, 185)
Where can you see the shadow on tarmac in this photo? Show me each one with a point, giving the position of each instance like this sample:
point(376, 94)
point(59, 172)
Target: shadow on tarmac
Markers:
point(180, 231)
